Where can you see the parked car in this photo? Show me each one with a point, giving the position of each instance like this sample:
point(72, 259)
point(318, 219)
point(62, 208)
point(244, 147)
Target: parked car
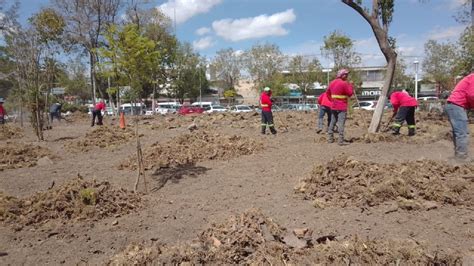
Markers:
point(240, 109)
point(202, 104)
point(190, 110)
point(215, 108)
point(167, 108)
point(366, 105)
point(275, 108)
point(428, 98)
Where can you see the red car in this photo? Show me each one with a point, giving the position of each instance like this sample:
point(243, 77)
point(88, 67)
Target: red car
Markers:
point(190, 110)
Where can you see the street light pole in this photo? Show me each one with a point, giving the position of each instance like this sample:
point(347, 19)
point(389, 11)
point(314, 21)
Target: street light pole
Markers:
point(416, 79)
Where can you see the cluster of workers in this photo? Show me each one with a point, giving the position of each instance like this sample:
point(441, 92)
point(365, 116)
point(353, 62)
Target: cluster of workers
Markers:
point(333, 103)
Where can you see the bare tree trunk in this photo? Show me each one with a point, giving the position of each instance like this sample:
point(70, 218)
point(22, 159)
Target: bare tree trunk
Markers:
point(92, 72)
point(378, 113)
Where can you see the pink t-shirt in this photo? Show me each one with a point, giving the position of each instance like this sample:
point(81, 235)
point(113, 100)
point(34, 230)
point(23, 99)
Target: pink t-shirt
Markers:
point(339, 92)
point(399, 99)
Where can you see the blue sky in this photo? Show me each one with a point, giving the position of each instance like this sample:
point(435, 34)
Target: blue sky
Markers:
point(299, 26)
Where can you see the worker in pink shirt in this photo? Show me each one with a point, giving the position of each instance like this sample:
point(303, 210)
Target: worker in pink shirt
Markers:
point(97, 112)
point(460, 100)
point(339, 92)
point(404, 110)
point(3, 113)
point(324, 109)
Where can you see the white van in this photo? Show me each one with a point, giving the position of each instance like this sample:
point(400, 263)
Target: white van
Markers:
point(205, 105)
point(167, 107)
point(138, 108)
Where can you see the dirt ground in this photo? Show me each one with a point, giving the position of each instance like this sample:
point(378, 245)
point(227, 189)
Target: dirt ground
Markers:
point(219, 192)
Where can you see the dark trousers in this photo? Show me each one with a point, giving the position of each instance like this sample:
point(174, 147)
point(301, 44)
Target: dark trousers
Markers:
point(267, 120)
point(98, 114)
point(405, 113)
point(55, 114)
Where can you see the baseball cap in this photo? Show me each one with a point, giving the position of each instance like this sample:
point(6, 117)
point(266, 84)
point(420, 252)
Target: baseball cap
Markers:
point(266, 89)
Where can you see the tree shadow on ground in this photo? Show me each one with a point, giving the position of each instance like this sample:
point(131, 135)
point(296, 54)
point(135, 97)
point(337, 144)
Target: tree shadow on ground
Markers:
point(161, 176)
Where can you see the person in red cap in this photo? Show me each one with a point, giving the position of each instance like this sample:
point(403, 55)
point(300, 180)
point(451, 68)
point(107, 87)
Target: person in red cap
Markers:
point(339, 92)
point(324, 109)
point(97, 112)
point(3, 113)
point(403, 110)
point(267, 116)
point(460, 100)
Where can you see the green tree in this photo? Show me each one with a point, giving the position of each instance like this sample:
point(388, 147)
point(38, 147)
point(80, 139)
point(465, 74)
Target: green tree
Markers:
point(340, 49)
point(439, 63)
point(305, 72)
point(379, 18)
point(129, 57)
point(263, 62)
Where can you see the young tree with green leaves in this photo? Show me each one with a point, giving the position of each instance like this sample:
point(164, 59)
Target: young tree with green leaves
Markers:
point(379, 17)
point(305, 72)
point(439, 63)
point(129, 57)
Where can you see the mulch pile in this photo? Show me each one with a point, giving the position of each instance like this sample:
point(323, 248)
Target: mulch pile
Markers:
point(15, 155)
point(195, 147)
point(9, 131)
point(78, 199)
point(345, 181)
point(102, 137)
point(254, 239)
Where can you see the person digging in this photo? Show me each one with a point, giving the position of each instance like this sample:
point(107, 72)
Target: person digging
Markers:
point(404, 110)
point(267, 116)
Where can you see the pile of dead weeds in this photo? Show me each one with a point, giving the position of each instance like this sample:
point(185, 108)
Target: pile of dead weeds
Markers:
point(413, 185)
point(9, 131)
point(254, 239)
point(15, 155)
point(101, 137)
point(77, 200)
point(195, 147)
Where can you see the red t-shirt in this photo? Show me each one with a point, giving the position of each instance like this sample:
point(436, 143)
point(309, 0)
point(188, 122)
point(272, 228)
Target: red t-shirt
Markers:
point(100, 106)
point(324, 100)
point(399, 99)
point(2, 111)
point(266, 101)
point(339, 92)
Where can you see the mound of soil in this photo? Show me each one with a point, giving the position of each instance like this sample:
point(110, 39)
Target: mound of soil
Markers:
point(254, 239)
point(195, 147)
point(415, 184)
point(78, 199)
point(15, 155)
point(9, 131)
point(102, 137)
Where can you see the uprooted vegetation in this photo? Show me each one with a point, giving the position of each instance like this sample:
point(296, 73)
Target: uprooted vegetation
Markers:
point(254, 239)
point(9, 131)
point(15, 155)
point(78, 199)
point(345, 181)
point(195, 147)
point(102, 137)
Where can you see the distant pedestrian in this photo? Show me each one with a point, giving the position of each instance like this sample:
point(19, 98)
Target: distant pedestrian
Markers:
point(460, 100)
point(97, 112)
point(403, 110)
point(3, 113)
point(324, 109)
point(339, 92)
point(55, 111)
point(267, 116)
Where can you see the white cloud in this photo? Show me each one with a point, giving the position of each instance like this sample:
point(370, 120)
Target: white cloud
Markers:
point(254, 27)
point(186, 9)
point(203, 31)
point(449, 33)
point(203, 43)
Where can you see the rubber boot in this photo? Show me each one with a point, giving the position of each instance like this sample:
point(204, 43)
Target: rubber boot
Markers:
point(342, 142)
point(264, 128)
point(395, 131)
point(272, 129)
point(411, 132)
